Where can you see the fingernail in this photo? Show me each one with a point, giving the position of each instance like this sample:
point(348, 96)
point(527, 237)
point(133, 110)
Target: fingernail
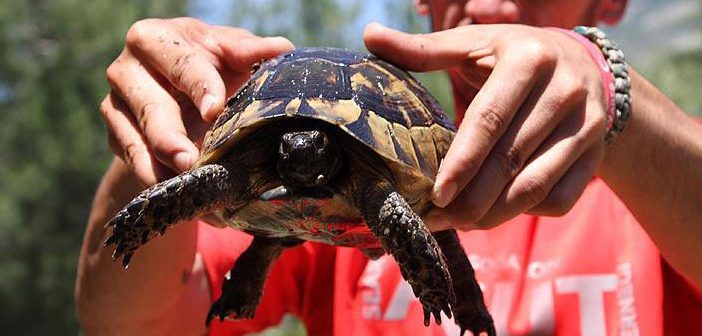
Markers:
point(183, 160)
point(208, 100)
point(443, 193)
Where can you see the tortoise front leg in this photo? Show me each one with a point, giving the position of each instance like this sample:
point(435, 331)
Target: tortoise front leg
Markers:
point(242, 291)
point(403, 235)
point(183, 197)
point(469, 311)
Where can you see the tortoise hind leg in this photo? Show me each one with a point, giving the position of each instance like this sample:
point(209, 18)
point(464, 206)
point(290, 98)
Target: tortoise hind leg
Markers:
point(242, 291)
point(403, 234)
point(469, 311)
point(166, 203)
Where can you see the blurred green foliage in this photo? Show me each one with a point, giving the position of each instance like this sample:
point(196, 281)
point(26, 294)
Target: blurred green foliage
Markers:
point(334, 23)
point(53, 150)
point(679, 76)
point(53, 56)
point(305, 22)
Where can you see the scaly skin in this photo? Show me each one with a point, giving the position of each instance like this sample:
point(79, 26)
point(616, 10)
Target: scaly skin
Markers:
point(469, 311)
point(241, 292)
point(166, 203)
point(403, 235)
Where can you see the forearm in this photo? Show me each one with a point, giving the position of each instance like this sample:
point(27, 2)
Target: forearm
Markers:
point(655, 167)
point(159, 279)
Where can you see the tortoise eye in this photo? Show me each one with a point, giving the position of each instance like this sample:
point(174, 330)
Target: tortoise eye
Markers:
point(284, 148)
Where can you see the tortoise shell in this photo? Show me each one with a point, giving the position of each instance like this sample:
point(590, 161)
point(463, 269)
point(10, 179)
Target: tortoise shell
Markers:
point(380, 106)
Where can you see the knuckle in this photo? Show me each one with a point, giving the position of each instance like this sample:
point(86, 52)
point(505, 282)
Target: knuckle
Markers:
point(148, 109)
point(105, 108)
point(598, 120)
point(179, 71)
point(573, 87)
point(114, 71)
point(594, 128)
point(534, 190)
point(508, 162)
point(130, 153)
point(146, 114)
point(139, 31)
point(591, 130)
point(536, 51)
point(491, 121)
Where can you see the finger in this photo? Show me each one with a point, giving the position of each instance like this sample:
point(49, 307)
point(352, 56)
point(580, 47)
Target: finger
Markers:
point(535, 121)
point(550, 164)
point(156, 111)
point(181, 62)
point(125, 139)
point(195, 126)
point(438, 219)
point(487, 118)
point(567, 191)
point(537, 118)
point(429, 52)
point(241, 54)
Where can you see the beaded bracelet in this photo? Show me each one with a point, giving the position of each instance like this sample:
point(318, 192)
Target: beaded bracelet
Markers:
point(615, 76)
point(622, 83)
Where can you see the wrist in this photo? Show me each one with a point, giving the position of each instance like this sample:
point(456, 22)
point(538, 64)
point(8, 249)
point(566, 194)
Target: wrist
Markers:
point(613, 69)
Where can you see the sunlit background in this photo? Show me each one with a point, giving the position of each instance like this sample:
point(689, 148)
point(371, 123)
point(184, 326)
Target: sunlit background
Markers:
point(52, 141)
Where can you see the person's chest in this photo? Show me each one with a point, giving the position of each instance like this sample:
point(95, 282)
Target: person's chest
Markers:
point(591, 272)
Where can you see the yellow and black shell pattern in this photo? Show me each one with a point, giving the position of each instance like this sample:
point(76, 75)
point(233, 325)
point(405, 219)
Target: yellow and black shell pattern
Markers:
point(380, 105)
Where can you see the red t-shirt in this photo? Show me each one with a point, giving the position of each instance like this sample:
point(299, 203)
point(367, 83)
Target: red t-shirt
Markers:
point(593, 271)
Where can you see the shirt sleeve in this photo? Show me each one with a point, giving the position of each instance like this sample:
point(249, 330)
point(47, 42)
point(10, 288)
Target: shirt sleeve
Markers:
point(293, 286)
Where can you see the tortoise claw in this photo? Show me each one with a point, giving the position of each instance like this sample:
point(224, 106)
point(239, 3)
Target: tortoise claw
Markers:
point(110, 240)
point(427, 317)
point(126, 259)
point(428, 312)
point(437, 317)
point(235, 308)
point(479, 325)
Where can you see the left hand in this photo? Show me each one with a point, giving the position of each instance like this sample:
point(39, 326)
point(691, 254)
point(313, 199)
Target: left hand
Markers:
point(533, 134)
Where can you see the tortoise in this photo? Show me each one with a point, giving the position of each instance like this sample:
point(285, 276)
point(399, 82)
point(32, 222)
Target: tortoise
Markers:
point(326, 145)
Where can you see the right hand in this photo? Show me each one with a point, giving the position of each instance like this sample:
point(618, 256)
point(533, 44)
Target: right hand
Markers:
point(169, 83)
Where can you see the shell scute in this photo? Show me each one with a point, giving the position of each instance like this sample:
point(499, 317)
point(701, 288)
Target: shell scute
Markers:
point(380, 105)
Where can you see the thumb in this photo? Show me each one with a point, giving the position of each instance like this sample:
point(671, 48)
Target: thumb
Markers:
point(427, 52)
point(241, 54)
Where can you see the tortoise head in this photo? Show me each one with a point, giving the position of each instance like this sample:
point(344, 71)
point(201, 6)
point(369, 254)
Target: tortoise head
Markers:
point(307, 158)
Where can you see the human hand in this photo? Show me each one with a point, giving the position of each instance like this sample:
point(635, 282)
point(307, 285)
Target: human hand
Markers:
point(534, 132)
point(169, 82)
